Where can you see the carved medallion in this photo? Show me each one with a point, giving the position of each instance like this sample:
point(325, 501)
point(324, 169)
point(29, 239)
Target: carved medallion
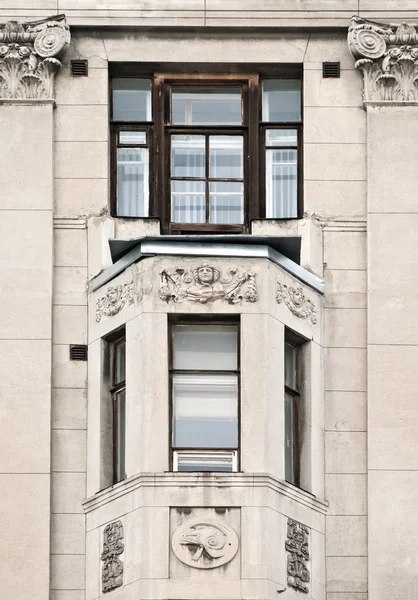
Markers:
point(116, 298)
point(113, 547)
point(296, 302)
point(205, 285)
point(204, 544)
point(297, 545)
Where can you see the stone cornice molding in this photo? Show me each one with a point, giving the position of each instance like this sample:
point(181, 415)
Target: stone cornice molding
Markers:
point(387, 55)
point(28, 57)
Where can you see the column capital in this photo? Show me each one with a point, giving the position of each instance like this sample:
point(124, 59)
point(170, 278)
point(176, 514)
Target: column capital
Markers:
point(29, 57)
point(387, 55)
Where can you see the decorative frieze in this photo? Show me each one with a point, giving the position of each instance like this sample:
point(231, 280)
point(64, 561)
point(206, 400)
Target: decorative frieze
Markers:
point(113, 547)
point(205, 285)
point(297, 546)
point(296, 302)
point(204, 544)
point(117, 297)
point(28, 57)
point(387, 55)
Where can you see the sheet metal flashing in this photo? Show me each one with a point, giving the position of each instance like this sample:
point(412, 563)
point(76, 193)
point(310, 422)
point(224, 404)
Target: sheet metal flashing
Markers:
point(176, 247)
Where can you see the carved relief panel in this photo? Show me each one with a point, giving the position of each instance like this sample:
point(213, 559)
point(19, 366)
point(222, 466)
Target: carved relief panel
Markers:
point(297, 547)
point(113, 547)
point(116, 298)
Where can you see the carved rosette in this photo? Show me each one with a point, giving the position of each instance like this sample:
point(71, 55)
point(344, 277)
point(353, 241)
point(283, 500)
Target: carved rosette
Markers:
point(205, 285)
point(204, 544)
point(113, 547)
point(117, 297)
point(297, 546)
point(296, 302)
point(29, 57)
point(387, 55)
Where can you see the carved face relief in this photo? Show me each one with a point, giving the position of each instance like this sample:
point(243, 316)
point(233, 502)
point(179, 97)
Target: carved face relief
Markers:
point(117, 297)
point(205, 275)
point(204, 544)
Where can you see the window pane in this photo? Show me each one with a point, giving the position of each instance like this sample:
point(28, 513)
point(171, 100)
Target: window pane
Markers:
point(131, 99)
point(281, 184)
point(281, 100)
point(206, 106)
point(281, 137)
point(226, 157)
point(120, 434)
point(290, 354)
point(289, 441)
point(188, 202)
point(133, 182)
point(226, 202)
point(205, 411)
point(188, 156)
point(208, 347)
point(119, 363)
point(206, 461)
point(132, 137)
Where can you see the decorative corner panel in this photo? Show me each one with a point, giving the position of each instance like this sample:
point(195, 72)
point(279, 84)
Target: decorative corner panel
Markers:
point(205, 285)
point(296, 301)
point(117, 297)
point(204, 544)
point(113, 547)
point(387, 55)
point(297, 546)
point(29, 57)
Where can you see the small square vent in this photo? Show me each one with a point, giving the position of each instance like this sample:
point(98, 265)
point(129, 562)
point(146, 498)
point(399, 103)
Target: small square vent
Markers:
point(331, 69)
point(78, 352)
point(79, 68)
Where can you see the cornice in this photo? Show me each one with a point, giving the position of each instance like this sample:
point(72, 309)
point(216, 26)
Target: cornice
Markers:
point(29, 57)
point(182, 480)
point(387, 55)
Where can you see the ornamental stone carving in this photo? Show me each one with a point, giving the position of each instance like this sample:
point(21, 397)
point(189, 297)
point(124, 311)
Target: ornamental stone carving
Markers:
point(113, 547)
point(296, 302)
point(204, 544)
point(205, 284)
point(116, 298)
point(28, 57)
point(387, 55)
point(297, 546)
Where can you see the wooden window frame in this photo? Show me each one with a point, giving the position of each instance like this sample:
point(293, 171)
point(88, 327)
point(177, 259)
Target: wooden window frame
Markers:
point(159, 130)
point(114, 390)
point(295, 394)
point(199, 320)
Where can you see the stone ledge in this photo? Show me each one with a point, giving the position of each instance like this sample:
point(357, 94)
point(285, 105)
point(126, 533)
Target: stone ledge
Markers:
point(182, 480)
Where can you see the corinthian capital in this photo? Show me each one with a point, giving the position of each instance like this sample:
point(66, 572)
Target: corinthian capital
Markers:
point(387, 55)
point(28, 57)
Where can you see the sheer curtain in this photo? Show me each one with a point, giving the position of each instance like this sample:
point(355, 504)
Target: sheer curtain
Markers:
point(133, 177)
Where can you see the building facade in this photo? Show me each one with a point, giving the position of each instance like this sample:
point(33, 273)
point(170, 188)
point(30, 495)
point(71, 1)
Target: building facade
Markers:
point(208, 281)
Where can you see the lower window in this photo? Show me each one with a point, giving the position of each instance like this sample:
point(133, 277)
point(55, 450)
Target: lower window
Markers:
point(204, 378)
point(291, 413)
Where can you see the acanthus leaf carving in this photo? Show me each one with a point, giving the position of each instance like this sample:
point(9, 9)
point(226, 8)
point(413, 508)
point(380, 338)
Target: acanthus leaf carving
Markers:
point(297, 546)
point(117, 297)
point(204, 544)
point(296, 301)
point(204, 284)
point(387, 55)
point(113, 547)
point(29, 57)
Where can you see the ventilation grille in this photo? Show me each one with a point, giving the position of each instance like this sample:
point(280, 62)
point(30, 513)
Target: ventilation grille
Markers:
point(331, 69)
point(78, 352)
point(80, 67)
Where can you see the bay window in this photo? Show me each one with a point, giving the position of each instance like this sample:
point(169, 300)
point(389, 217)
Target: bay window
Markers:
point(118, 396)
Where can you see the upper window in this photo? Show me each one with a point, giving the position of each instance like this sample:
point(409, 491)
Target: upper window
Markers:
point(206, 153)
point(204, 378)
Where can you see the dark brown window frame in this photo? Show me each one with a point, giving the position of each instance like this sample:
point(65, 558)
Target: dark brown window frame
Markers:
point(296, 395)
point(254, 142)
point(199, 320)
point(116, 387)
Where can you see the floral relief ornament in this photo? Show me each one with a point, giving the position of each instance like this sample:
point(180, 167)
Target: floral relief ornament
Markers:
point(117, 297)
point(205, 284)
point(297, 546)
point(387, 55)
point(28, 57)
point(113, 547)
point(296, 302)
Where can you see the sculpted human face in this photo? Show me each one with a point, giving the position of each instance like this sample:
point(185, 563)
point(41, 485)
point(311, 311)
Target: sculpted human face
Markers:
point(112, 295)
point(205, 275)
